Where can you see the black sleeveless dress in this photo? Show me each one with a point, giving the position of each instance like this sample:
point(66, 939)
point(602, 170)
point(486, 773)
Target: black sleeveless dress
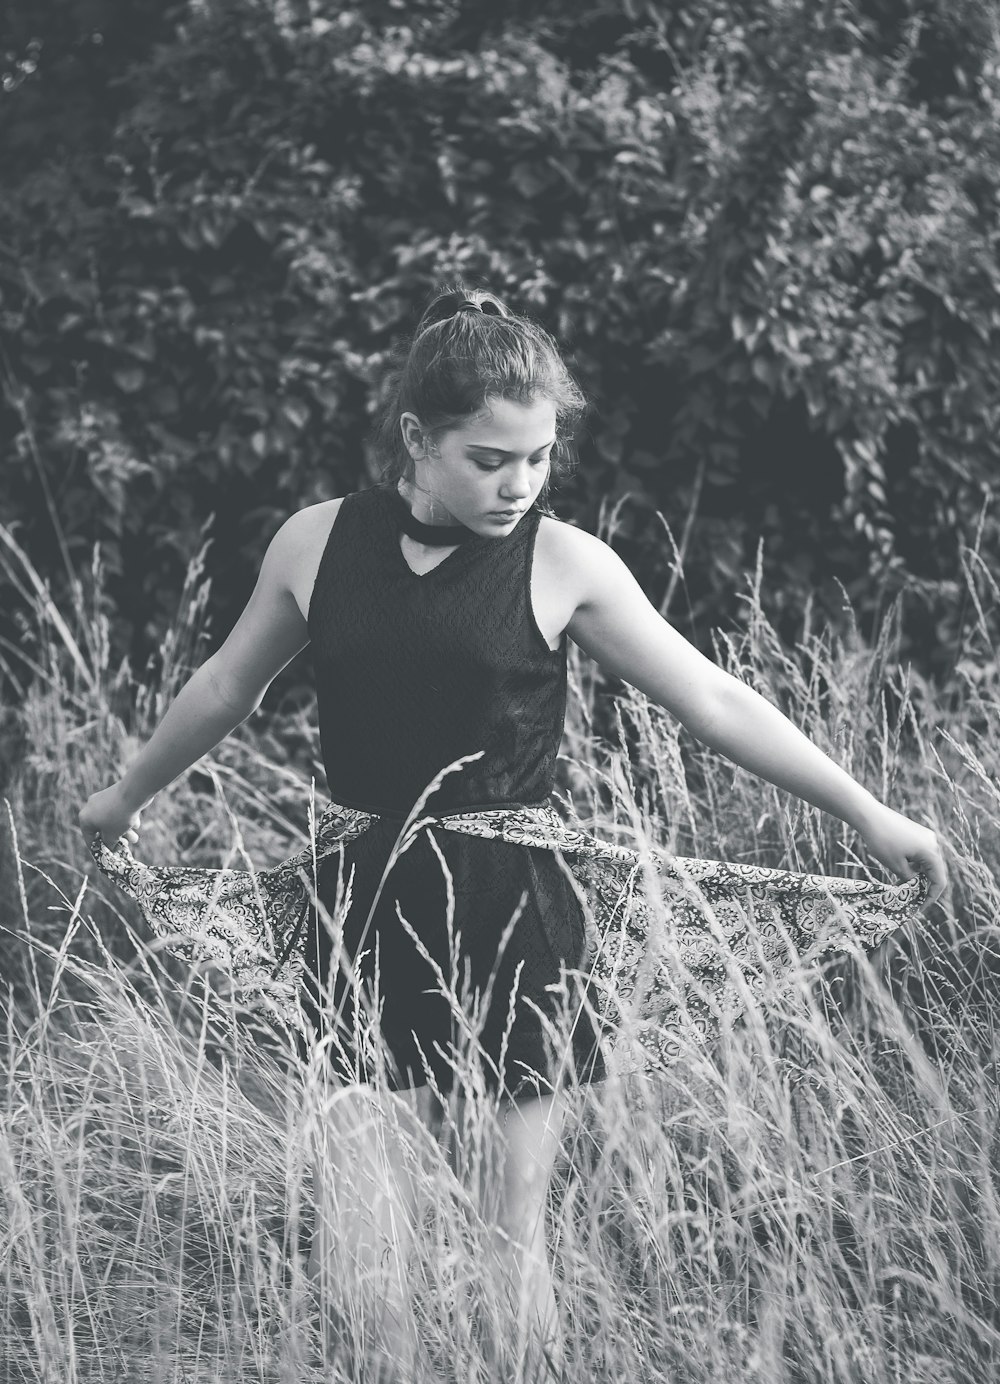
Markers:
point(413, 672)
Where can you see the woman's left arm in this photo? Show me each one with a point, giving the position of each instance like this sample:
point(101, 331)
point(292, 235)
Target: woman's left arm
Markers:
point(616, 624)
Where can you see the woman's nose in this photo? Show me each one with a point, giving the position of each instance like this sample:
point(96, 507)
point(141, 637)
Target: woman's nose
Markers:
point(518, 485)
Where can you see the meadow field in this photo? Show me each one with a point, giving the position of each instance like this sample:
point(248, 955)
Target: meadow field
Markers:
point(813, 1199)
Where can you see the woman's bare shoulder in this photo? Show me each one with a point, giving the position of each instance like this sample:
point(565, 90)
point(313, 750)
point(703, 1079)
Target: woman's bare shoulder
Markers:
point(560, 531)
point(299, 545)
point(568, 552)
point(565, 561)
point(310, 520)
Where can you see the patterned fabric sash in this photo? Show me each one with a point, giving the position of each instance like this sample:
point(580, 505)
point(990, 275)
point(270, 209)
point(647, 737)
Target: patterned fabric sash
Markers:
point(676, 945)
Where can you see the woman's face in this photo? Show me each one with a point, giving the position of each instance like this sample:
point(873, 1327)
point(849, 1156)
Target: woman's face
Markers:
point(494, 460)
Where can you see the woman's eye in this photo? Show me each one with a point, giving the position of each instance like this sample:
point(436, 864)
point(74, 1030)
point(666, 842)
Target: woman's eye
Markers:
point(485, 466)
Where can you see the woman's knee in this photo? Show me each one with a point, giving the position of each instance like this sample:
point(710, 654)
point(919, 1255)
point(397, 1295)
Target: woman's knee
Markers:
point(526, 1144)
point(371, 1149)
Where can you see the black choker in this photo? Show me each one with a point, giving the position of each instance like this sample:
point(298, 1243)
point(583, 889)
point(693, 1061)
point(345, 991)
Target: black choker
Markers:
point(434, 535)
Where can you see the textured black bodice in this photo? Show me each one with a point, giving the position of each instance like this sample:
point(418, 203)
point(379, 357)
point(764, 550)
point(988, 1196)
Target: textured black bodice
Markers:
point(413, 672)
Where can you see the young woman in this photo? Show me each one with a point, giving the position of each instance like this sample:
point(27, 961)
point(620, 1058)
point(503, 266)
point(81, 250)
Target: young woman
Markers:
point(438, 604)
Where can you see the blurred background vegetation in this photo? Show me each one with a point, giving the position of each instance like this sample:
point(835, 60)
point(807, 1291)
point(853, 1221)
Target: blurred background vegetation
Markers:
point(766, 232)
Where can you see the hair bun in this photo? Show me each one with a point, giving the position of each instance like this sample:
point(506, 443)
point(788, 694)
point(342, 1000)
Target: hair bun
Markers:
point(453, 301)
point(493, 307)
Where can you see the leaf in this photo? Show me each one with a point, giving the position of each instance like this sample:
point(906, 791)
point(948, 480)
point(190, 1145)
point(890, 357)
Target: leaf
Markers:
point(764, 370)
point(129, 378)
point(296, 411)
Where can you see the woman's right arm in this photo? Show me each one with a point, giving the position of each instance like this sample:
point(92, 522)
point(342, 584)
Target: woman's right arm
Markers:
point(224, 691)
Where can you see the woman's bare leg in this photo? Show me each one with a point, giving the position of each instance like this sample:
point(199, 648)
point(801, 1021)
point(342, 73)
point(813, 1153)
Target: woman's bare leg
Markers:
point(367, 1209)
point(513, 1183)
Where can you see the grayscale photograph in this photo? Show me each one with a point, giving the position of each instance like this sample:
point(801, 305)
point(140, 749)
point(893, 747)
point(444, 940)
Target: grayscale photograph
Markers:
point(499, 694)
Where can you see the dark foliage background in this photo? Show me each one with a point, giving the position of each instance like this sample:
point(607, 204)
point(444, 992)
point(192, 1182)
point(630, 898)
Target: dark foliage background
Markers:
point(765, 230)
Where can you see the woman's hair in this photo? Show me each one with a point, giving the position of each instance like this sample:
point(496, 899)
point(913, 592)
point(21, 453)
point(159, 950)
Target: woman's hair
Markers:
point(469, 347)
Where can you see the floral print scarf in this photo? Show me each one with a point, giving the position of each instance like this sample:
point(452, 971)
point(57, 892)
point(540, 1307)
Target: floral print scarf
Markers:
point(675, 946)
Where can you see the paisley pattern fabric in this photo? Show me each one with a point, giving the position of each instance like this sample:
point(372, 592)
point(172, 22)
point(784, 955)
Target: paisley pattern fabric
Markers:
point(676, 945)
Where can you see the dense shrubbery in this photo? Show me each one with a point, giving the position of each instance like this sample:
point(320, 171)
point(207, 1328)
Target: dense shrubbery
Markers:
point(766, 232)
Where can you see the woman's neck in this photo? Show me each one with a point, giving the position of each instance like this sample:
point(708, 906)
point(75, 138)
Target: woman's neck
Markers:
point(421, 505)
point(429, 533)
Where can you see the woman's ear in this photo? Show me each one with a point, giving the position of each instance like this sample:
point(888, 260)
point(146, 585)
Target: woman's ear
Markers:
point(413, 435)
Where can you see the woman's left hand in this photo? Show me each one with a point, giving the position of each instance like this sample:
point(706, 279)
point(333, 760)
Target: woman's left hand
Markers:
point(905, 847)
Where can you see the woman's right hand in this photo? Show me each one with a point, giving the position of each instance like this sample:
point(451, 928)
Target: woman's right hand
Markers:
point(111, 815)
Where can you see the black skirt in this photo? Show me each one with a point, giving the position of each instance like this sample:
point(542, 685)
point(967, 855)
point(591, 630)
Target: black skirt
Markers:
point(460, 950)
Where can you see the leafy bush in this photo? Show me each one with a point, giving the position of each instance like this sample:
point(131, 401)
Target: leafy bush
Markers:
point(766, 233)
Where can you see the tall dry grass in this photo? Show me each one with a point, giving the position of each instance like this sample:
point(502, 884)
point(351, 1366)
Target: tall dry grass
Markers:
point(814, 1198)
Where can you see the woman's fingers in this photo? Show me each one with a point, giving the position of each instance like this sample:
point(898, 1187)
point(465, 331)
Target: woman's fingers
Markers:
point(107, 815)
point(907, 848)
point(931, 864)
point(938, 879)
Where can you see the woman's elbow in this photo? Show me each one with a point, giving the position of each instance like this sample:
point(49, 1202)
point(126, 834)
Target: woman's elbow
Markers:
point(720, 712)
point(236, 695)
